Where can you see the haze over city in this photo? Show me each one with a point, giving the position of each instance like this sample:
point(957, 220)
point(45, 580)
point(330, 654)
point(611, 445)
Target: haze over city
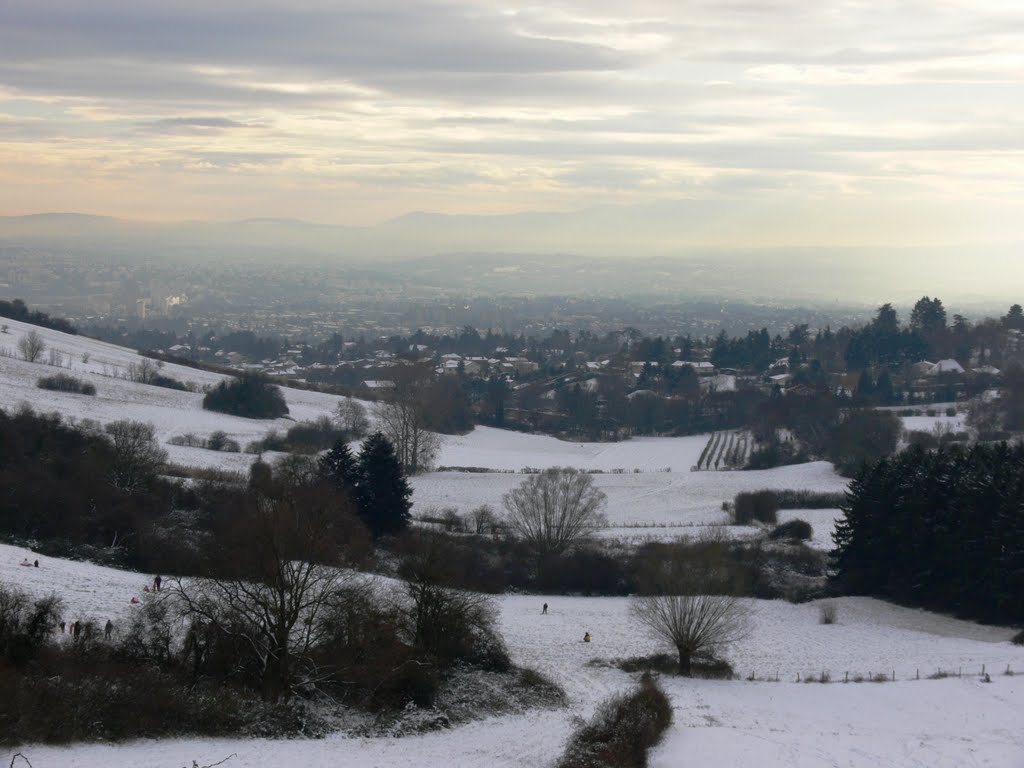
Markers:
point(689, 125)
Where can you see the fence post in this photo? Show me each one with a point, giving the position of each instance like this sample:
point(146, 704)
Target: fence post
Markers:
point(846, 677)
point(894, 675)
point(983, 669)
point(917, 674)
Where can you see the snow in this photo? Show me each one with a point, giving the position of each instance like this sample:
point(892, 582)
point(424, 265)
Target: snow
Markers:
point(170, 411)
point(631, 473)
point(952, 722)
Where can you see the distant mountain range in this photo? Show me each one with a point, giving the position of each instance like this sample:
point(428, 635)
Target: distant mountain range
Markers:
point(614, 250)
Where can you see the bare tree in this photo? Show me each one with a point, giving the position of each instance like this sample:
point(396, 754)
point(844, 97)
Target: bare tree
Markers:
point(280, 575)
point(351, 417)
point(137, 455)
point(686, 604)
point(482, 520)
point(554, 509)
point(31, 346)
point(695, 625)
point(403, 420)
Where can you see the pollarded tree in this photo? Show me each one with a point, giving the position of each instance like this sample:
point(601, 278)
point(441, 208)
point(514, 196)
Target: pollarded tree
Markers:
point(554, 509)
point(385, 497)
point(696, 625)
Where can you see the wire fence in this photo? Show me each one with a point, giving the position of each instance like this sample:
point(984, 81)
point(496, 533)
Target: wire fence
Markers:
point(984, 672)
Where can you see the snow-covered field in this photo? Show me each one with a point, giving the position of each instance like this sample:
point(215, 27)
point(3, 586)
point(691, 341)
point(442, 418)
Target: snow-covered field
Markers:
point(910, 722)
point(171, 412)
point(651, 493)
point(644, 493)
point(648, 480)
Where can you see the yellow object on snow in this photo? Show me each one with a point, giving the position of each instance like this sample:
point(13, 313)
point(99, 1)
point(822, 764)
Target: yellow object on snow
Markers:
point(586, 637)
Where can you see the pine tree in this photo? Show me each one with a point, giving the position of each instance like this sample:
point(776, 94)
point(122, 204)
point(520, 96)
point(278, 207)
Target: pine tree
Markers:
point(339, 466)
point(385, 497)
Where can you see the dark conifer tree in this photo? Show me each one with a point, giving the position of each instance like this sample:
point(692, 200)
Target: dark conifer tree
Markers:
point(385, 497)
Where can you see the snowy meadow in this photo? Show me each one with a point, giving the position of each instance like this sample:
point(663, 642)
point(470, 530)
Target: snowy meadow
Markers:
point(765, 717)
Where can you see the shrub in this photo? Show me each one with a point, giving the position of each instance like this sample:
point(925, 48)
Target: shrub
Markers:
point(61, 382)
point(828, 613)
point(951, 411)
point(794, 530)
point(250, 396)
point(25, 624)
point(925, 440)
point(1018, 639)
point(621, 731)
point(761, 506)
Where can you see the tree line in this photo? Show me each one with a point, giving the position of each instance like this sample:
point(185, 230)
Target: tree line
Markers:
point(940, 529)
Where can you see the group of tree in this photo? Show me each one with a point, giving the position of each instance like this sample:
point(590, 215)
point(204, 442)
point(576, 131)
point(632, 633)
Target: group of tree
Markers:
point(248, 395)
point(18, 310)
point(940, 529)
point(374, 482)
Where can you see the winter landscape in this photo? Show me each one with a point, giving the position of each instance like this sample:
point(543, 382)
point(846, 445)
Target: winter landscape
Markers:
point(471, 383)
point(894, 714)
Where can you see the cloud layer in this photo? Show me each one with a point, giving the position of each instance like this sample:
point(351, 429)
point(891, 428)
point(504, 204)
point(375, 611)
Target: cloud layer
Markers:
point(902, 120)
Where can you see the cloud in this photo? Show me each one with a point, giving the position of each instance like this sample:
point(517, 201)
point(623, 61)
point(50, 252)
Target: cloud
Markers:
point(373, 108)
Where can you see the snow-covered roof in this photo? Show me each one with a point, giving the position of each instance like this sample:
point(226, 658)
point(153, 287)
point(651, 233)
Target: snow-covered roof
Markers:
point(945, 366)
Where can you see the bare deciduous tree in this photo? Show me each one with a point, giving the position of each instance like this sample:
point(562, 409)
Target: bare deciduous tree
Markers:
point(554, 509)
point(695, 625)
point(281, 576)
point(403, 420)
point(351, 417)
point(31, 346)
point(137, 455)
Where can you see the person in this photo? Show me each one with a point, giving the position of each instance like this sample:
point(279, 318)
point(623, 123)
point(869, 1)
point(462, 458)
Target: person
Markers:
point(157, 582)
point(77, 631)
point(62, 627)
point(586, 637)
point(108, 629)
point(146, 589)
point(36, 563)
point(544, 610)
point(25, 563)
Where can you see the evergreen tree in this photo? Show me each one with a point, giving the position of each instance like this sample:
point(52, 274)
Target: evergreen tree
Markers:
point(339, 466)
point(385, 497)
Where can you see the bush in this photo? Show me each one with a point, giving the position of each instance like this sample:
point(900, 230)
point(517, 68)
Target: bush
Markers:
point(61, 382)
point(951, 411)
point(25, 624)
point(249, 396)
point(1018, 639)
point(305, 437)
point(828, 613)
point(621, 731)
point(761, 506)
point(921, 439)
point(793, 530)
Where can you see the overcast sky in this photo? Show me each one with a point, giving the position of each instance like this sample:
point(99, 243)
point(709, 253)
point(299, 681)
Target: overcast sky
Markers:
point(853, 122)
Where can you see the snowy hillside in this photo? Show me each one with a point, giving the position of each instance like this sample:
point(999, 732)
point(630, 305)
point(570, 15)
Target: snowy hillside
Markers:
point(950, 722)
point(648, 480)
point(172, 412)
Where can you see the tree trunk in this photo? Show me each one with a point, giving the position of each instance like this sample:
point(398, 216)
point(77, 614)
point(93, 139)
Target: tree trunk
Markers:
point(684, 662)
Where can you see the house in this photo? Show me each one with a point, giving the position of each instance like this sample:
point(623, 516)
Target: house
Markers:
point(945, 366)
point(702, 368)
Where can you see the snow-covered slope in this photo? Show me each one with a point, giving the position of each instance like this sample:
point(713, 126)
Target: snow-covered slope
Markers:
point(911, 722)
point(648, 480)
point(172, 412)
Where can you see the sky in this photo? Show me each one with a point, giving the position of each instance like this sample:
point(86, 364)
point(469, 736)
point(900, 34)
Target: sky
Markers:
point(833, 122)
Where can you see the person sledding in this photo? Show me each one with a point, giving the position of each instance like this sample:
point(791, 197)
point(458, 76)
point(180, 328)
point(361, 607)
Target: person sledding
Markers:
point(586, 637)
point(25, 563)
